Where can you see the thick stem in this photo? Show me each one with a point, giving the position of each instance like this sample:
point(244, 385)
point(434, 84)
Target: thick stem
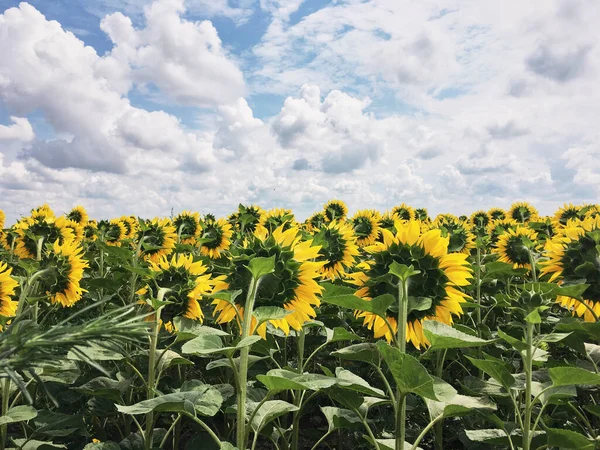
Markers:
point(478, 291)
point(5, 405)
point(439, 422)
point(425, 431)
point(243, 372)
point(298, 396)
point(528, 378)
point(151, 378)
point(402, 319)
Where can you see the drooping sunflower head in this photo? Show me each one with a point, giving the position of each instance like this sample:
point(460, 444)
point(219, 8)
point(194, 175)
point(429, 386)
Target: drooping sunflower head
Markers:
point(522, 212)
point(573, 256)
point(566, 213)
point(8, 305)
point(545, 228)
point(422, 214)
point(315, 222)
point(404, 212)
point(248, 219)
point(279, 217)
point(388, 220)
point(514, 246)
point(42, 212)
point(442, 274)
point(187, 225)
point(216, 238)
point(187, 282)
point(68, 264)
point(131, 226)
point(292, 286)
point(497, 214)
point(365, 224)
point(480, 219)
point(90, 231)
point(338, 249)
point(32, 232)
point(498, 227)
point(209, 218)
point(112, 231)
point(76, 228)
point(335, 210)
point(78, 215)
point(459, 233)
point(159, 238)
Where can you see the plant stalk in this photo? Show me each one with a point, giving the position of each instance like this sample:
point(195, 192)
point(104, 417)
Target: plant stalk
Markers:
point(528, 378)
point(401, 397)
point(151, 378)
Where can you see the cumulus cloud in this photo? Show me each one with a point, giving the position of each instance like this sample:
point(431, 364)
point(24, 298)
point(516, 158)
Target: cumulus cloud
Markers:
point(21, 130)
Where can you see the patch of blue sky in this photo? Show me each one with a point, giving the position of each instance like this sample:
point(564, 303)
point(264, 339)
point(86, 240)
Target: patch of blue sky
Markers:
point(265, 105)
point(450, 92)
point(239, 38)
point(42, 129)
point(307, 8)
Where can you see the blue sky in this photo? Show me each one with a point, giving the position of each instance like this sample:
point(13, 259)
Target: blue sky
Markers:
point(143, 106)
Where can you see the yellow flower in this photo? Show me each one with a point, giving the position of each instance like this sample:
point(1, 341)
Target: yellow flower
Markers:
point(523, 212)
point(159, 239)
point(404, 212)
point(338, 249)
point(8, 306)
point(315, 222)
point(366, 227)
point(293, 286)
point(513, 246)
point(79, 215)
point(480, 219)
point(130, 224)
point(187, 226)
point(216, 238)
point(2, 219)
point(42, 212)
point(335, 210)
point(442, 275)
point(564, 214)
point(67, 260)
point(45, 227)
point(573, 255)
point(497, 214)
point(277, 217)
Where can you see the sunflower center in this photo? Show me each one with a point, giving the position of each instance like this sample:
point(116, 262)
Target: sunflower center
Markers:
point(362, 226)
point(215, 236)
point(334, 247)
point(516, 250)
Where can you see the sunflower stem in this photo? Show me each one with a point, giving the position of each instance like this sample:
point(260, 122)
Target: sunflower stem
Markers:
point(528, 379)
point(298, 397)
point(243, 372)
point(5, 405)
point(402, 319)
point(152, 373)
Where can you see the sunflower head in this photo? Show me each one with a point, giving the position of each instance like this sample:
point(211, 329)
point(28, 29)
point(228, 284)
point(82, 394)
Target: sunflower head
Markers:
point(315, 222)
point(522, 212)
point(131, 225)
point(8, 305)
point(216, 238)
point(45, 229)
point(497, 228)
point(159, 238)
point(566, 213)
point(293, 284)
point(67, 263)
point(78, 215)
point(76, 228)
point(422, 214)
point(279, 217)
point(335, 210)
point(497, 214)
point(187, 225)
point(573, 255)
point(459, 233)
point(2, 219)
point(514, 246)
point(42, 212)
point(545, 228)
point(388, 220)
point(187, 282)
point(404, 212)
point(113, 231)
point(365, 224)
point(480, 219)
point(90, 230)
point(441, 276)
point(338, 249)
point(248, 219)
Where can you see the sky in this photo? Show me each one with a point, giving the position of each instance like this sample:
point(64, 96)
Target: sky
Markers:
point(152, 107)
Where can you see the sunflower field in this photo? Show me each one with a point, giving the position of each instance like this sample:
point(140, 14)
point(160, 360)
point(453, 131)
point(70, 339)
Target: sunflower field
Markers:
point(379, 331)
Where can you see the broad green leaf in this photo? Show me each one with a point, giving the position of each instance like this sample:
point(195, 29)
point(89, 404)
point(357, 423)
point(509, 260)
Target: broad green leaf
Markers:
point(419, 303)
point(18, 414)
point(459, 405)
point(260, 267)
point(366, 352)
point(548, 394)
point(496, 370)
point(52, 423)
point(264, 313)
point(281, 380)
point(203, 345)
point(224, 362)
point(568, 439)
point(591, 329)
point(95, 352)
point(412, 377)
point(33, 444)
point(109, 445)
point(169, 358)
point(338, 418)
point(347, 398)
point(105, 387)
point(515, 343)
point(189, 329)
point(402, 271)
point(573, 291)
point(269, 411)
point(344, 297)
point(573, 376)
point(534, 316)
point(389, 444)
point(551, 337)
point(349, 380)
point(442, 336)
point(339, 334)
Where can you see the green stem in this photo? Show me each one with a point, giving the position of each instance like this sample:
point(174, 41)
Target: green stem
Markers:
point(439, 422)
point(368, 428)
point(314, 447)
point(151, 378)
point(401, 397)
point(426, 430)
point(388, 387)
point(175, 422)
point(5, 405)
point(528, 378)
point(243, 372)
point(298, 395)
point(206, 428)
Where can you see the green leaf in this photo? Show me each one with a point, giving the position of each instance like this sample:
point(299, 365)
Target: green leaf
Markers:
point(573, 376)
point(18, 414)
point(264, 313)
point(169, 358)
point(109, 445)
point(33, 444)
point(269, 411)
point(338, 418)
point(534, 317)
point(259, 267)
point(52, 423)
point(402, 271)
point(366, 352)
point(442, 336)
point(105, 387)
point(517, 344)
point(96, 353)
point(344, 297)
point(339, 334)
point(203, 345)
point(496, 370)
point(202, 399)
point(347, 398)
point(189, 329)
point(280, 380)
point(224, 362)
point(419, 303)
point(568, 439)
point(348, 380)
point(459, 405)
point(412, 377)
point(574, 291)
point(591, 329)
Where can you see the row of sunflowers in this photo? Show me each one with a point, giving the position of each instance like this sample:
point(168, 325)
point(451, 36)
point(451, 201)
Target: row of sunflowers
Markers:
point(264, 275)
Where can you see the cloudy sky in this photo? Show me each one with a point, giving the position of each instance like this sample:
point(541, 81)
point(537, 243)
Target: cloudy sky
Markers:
point(143, 107)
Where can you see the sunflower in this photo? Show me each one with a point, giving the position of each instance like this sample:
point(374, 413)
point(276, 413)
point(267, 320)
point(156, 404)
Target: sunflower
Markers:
point(480, 219)
point(498, 227)
point(315, 222)
point(159, 239)
point(187, 282)
point(566, 213)
point(523, 212)
point(43, 211)
point(277, 217)
point(2, 219)
point(573, 256)
point(113, 231)
point(76, 229)
point(422, 214)
point(79, 215)
point(514, 245)
point(216, 238)
point(248, 219)
point(404, 212)
point(338, 249)
point(442, 273)
point(292, 286)
point(8, 306)
point(188, 227)
point(497, 214)
point(209, 218)
point(46, 228)
point(365, 224)
point(545, 228)
point(444, 219)
point(335, 210)
point(67, 261)
point(459, 233)
point(131, 226)
point(90, 230)
point(591, 211)
point(388, 220)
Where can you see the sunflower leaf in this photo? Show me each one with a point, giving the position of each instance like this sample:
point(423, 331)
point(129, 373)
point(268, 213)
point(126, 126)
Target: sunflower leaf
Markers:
point(402, 271)
point(442, 336)
point(264, 313)
point(260, 267)
point(496, 370)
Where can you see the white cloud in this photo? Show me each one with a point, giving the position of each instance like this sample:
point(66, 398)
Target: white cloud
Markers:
point(20, 130)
